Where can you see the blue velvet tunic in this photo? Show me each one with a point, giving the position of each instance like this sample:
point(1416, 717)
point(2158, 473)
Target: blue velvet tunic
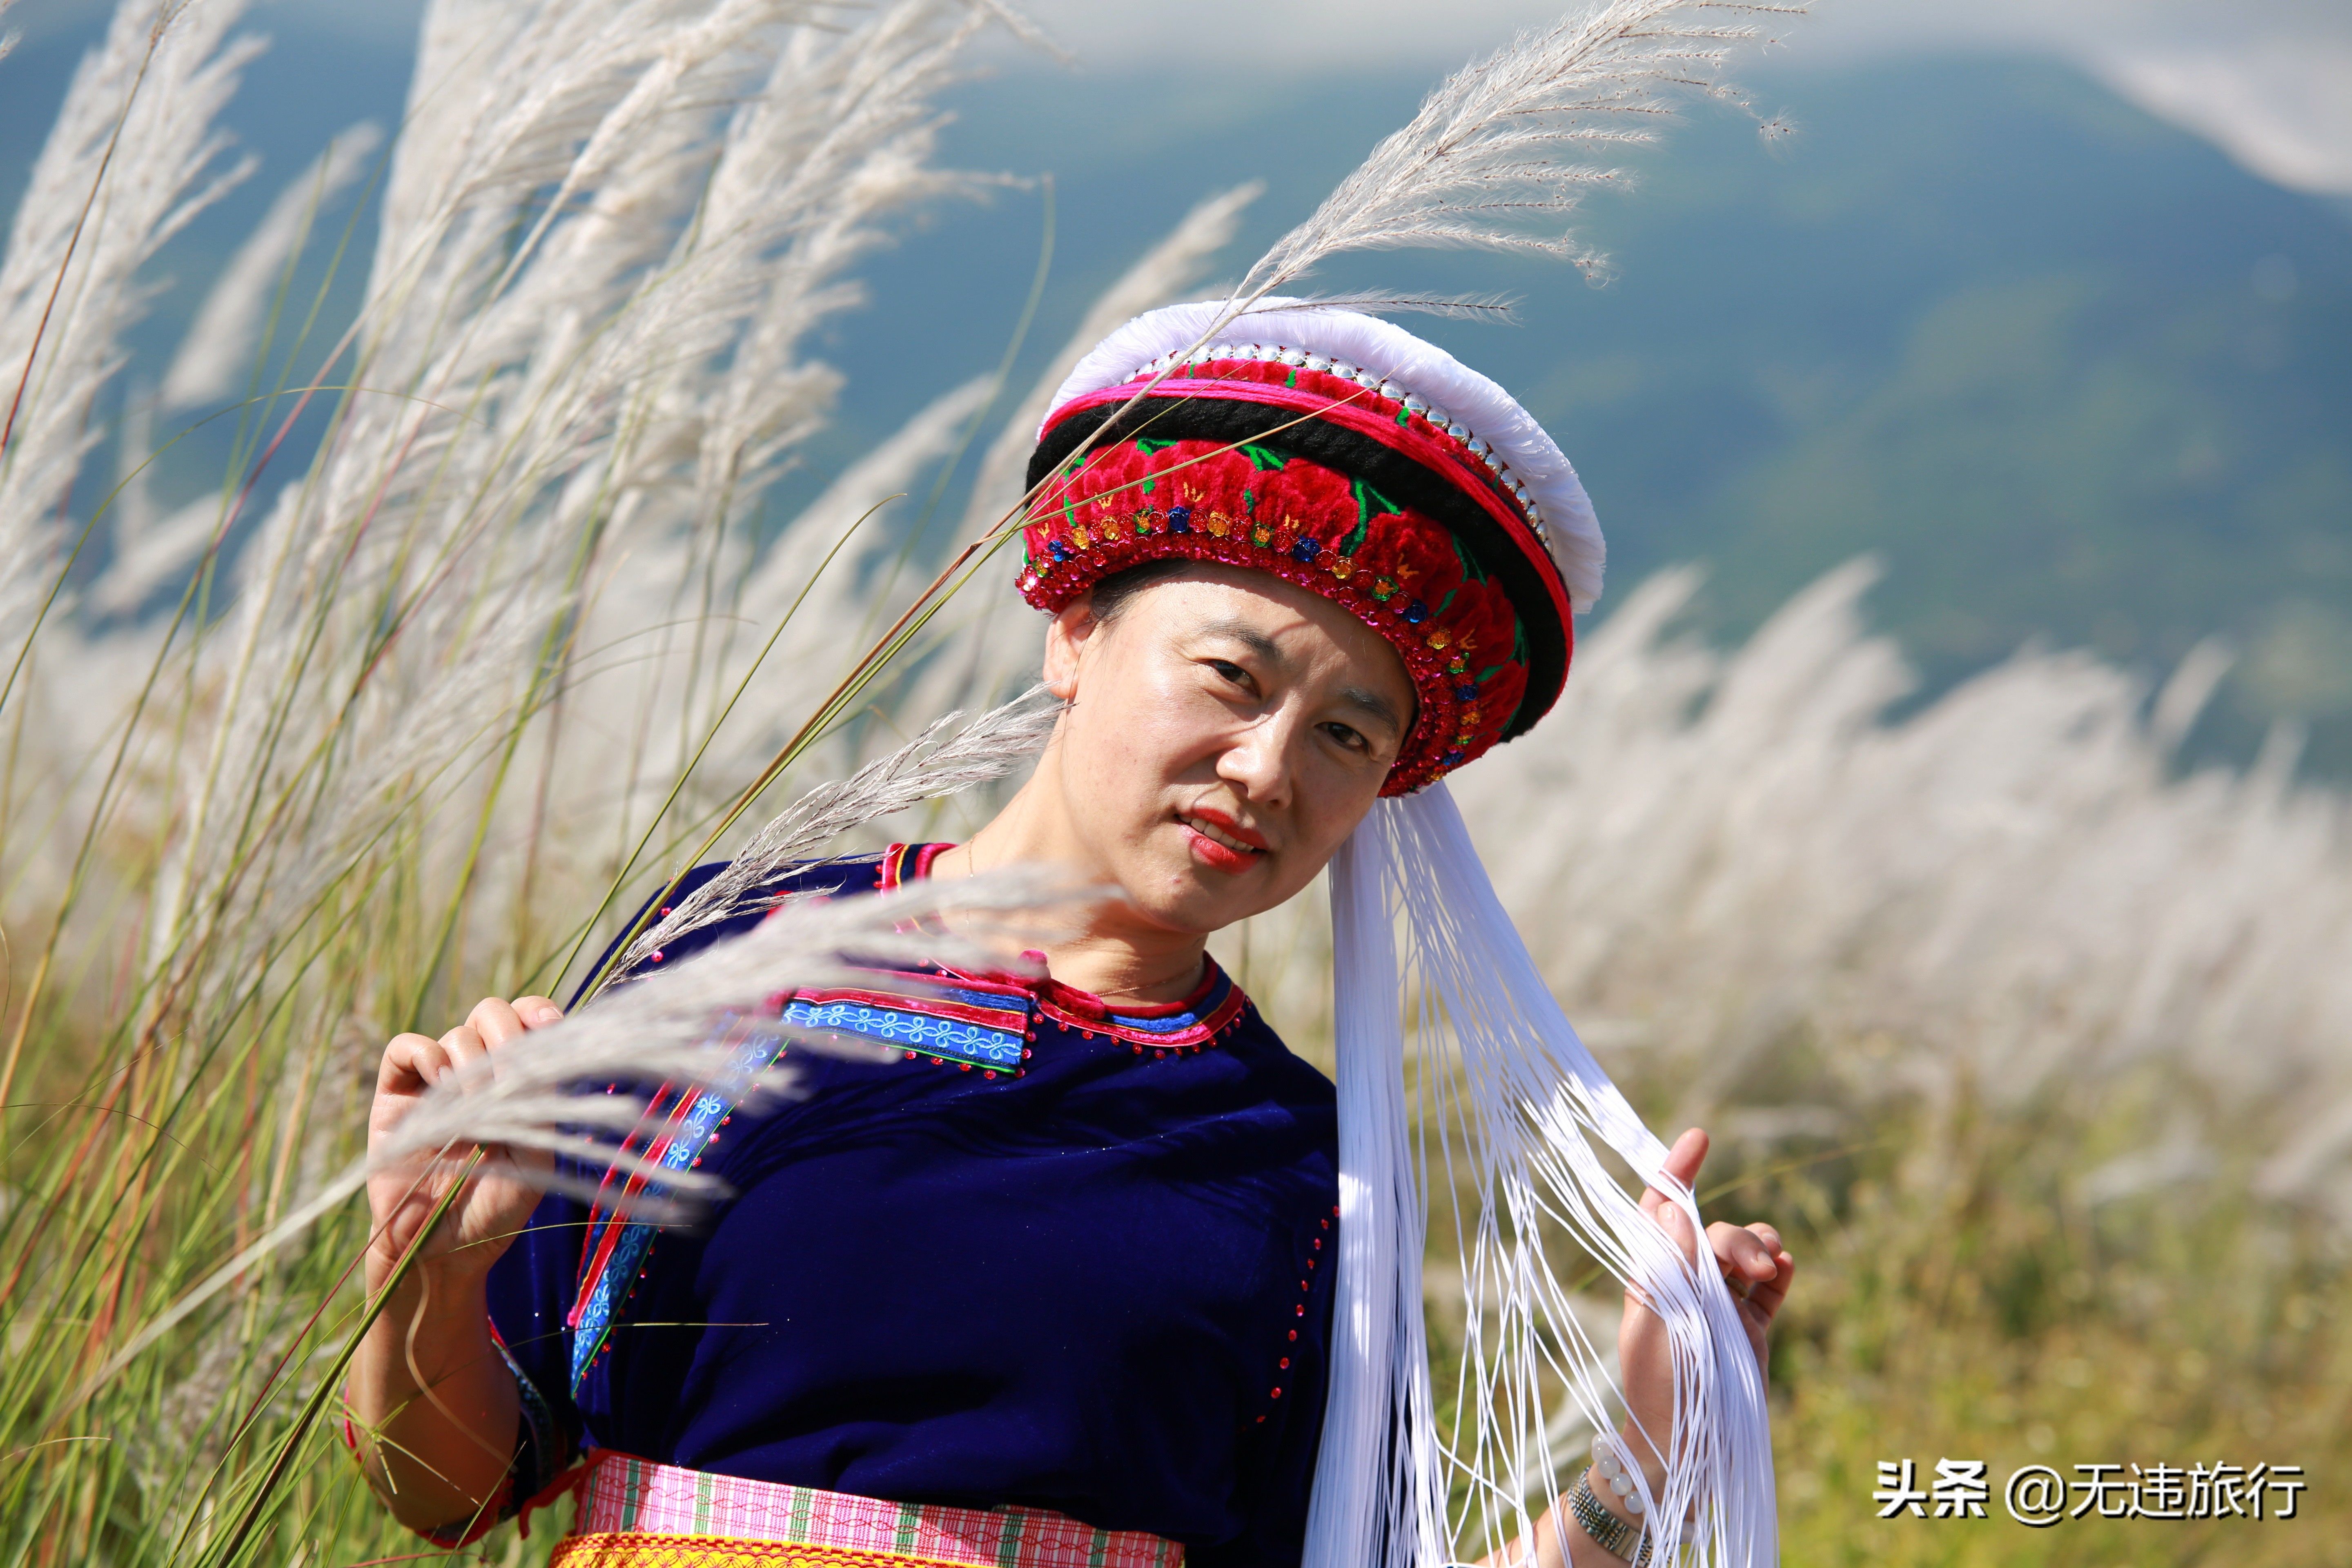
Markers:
point(1048, 1255)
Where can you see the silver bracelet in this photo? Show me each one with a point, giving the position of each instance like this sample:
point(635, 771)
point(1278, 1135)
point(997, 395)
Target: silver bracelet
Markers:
point(1610, 1534)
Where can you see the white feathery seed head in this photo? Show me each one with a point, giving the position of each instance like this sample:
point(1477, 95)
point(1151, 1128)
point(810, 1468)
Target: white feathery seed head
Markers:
point(131, 160)
point(608, 228)
point(1496, 156)
point(925, 768)
point(215, 357)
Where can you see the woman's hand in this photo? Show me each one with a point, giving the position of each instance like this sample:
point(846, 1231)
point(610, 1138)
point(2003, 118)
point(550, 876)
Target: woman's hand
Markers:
point(1755, 1266)
point(499, 1198)
point(1757, 1270)
point(433, 1405)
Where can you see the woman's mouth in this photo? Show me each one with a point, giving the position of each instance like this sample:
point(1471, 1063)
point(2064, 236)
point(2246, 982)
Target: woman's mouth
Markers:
point(1220, 843)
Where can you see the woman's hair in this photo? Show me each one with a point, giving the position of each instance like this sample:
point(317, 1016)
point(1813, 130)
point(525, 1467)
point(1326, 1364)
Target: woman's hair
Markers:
point(1112, 593)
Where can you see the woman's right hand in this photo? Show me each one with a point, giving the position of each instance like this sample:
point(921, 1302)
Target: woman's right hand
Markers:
point(499, 1197)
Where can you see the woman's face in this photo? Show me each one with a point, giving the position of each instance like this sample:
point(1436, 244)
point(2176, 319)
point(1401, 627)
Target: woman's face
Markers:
point(1228, 730)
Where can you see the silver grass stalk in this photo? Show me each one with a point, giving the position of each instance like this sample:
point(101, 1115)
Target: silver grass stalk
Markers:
point(134, 509)
point(923, 769)
point(876, 101)
point(1492, 309)
point(640, 336)
point(215, 357)
point(150, 554)
point(190, 1427)
point(820, 627)
point(1500, 146)
point(131, 159)
point(873, 98)
point(1164, 273)
point(893, 464)
point(805, 601)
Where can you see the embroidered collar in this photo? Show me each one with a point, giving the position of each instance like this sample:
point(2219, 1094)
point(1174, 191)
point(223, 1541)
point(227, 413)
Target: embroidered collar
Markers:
point(1213, 1006)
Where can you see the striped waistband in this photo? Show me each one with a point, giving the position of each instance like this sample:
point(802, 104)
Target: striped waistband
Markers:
point(634, 1513)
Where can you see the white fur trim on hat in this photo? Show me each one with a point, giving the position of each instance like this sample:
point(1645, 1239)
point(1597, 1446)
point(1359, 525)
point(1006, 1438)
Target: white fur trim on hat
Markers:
point(1389, 352)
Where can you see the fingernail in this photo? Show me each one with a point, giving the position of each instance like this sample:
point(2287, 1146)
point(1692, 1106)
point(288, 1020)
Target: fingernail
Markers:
point(546, 1012)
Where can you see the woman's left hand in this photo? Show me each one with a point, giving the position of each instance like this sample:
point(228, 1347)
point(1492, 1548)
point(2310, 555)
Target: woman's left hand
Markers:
point(1755, 1266)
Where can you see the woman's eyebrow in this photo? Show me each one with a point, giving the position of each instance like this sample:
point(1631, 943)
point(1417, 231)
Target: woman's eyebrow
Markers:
point(1375, 704)
point(1249, 636)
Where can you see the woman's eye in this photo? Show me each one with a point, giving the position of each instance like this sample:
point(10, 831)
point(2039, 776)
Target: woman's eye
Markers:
point(1351, 738)
point(1231, 671)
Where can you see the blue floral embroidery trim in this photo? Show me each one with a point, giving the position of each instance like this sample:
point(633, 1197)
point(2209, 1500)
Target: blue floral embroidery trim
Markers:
point(950, 1039)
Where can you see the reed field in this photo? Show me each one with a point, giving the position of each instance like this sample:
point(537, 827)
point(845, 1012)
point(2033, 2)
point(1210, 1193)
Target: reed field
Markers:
point(2035, 1040)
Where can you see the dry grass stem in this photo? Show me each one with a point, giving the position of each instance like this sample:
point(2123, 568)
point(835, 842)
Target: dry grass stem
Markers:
point(926, 768)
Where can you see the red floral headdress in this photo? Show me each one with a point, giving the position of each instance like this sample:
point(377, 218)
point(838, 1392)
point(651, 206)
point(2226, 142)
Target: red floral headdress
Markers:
point(1306, 461)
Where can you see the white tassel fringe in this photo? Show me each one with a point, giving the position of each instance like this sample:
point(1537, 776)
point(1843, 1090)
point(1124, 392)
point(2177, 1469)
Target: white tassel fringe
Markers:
point(1507, 1096)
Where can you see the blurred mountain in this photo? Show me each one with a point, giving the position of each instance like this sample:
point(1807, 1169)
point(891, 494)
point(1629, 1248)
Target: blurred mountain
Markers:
point(2068, 371)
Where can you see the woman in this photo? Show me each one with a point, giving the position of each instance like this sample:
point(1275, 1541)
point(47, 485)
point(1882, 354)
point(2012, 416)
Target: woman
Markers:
point(1073, 1256)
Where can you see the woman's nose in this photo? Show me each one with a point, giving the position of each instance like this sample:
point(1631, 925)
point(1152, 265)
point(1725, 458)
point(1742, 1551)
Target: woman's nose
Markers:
point(1258, 762)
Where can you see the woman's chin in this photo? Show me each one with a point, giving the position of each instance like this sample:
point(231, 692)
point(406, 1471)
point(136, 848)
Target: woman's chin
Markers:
point(1190, 897)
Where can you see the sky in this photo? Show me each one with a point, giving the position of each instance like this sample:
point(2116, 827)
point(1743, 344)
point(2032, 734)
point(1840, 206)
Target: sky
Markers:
point(2270, 81)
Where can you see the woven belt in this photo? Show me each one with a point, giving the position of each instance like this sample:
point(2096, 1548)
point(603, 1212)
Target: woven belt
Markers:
point(638, 1514)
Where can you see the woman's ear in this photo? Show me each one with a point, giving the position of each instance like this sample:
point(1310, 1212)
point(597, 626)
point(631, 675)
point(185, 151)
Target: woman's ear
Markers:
point(1066, 636)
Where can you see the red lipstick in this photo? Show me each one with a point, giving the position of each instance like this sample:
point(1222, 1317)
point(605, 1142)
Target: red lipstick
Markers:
point(1220, 857)
point(1228, 827)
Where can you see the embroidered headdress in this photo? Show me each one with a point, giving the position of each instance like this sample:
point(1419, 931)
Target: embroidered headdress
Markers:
point(1345, 455)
